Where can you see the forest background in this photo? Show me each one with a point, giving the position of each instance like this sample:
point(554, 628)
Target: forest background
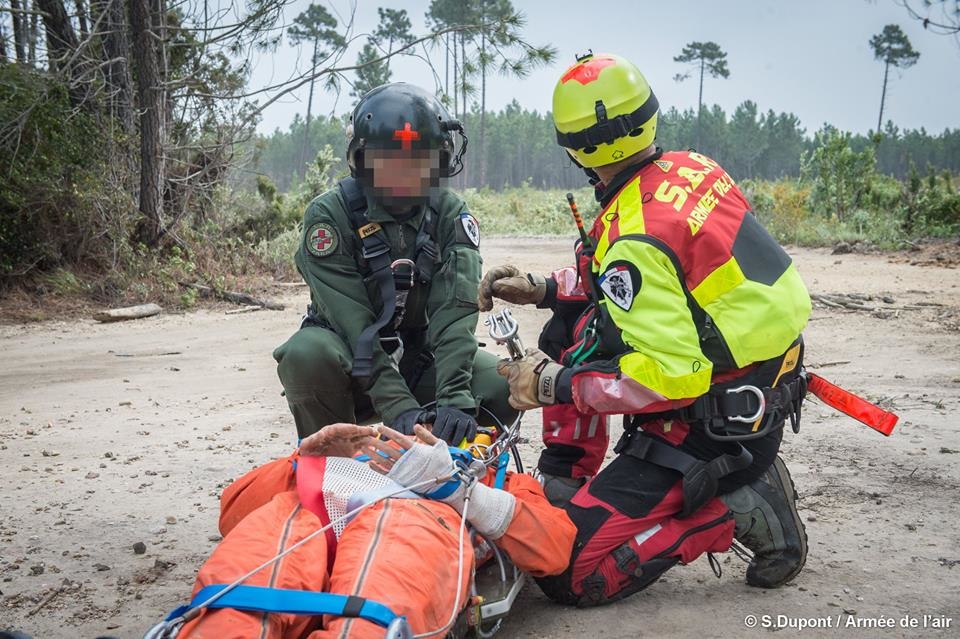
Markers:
point(133, 167)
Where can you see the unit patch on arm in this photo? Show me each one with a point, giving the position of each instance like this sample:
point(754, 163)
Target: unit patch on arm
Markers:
point(620, 283)
point(322, 239)
point(471, 228)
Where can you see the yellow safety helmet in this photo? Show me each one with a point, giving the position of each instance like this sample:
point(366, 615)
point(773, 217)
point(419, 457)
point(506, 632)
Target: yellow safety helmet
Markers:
point(604, 110)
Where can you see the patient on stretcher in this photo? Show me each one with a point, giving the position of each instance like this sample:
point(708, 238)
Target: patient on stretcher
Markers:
point(402, 551)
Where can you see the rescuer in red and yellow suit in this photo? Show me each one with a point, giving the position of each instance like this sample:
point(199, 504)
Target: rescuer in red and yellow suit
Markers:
point(685, 316)
point(402, 552)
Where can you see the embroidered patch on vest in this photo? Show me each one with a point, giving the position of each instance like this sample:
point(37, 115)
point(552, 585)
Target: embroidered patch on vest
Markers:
point(322, 239)
point(664, 165)
point(620, 283)
point(471, 228)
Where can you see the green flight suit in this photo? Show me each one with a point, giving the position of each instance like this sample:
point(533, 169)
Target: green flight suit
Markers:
point(314, 365)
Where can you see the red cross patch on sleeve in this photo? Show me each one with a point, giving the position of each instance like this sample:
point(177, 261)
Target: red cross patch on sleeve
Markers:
point(322, 239)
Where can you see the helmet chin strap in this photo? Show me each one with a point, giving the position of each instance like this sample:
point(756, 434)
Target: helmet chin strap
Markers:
point(592, 176)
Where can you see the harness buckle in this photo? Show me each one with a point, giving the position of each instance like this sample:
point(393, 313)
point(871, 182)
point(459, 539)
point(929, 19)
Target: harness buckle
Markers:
point(403, 282)
point(374, 250)
point(760, 410)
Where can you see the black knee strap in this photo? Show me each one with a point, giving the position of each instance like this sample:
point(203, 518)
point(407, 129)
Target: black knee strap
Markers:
point(700, 478)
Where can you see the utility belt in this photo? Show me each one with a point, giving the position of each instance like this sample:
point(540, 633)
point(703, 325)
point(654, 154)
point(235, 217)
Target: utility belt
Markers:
point(749, 406)
point(700, 478)
point(746, 411)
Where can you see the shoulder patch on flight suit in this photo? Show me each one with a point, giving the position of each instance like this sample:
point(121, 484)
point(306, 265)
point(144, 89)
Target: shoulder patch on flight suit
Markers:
point(620, 283)
point(322, 239)
point(469, 229)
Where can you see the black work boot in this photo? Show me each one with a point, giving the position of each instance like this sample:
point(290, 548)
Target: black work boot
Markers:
point(767, 522)
point(560, 490)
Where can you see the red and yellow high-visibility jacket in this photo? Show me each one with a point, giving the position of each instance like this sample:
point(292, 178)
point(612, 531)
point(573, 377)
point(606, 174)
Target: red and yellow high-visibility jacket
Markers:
point(689, 285)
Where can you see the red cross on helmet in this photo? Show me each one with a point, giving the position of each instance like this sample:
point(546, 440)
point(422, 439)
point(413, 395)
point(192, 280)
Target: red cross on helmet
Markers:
point(404, 117)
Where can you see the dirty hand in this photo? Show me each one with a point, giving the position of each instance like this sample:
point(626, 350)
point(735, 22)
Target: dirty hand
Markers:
point(337, 440)
point(532, 380)
point(509, 284)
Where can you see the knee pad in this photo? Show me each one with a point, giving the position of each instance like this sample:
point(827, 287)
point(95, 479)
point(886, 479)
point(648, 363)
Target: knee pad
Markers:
point(641, 560)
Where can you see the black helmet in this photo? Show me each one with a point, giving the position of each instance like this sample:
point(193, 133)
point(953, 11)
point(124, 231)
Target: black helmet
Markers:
point(403, 116)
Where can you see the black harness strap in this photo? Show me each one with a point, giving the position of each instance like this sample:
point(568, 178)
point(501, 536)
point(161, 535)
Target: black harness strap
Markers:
point(376, 252)
point(426, 248)
point(700, 478)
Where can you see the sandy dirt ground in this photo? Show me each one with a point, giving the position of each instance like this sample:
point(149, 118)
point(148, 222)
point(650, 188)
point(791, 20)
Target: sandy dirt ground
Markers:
point(119, 435)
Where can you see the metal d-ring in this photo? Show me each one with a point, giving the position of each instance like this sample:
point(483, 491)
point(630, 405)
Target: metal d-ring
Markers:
point(760, 411)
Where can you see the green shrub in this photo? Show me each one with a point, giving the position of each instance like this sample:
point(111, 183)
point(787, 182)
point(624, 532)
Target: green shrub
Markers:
point(62, 202)
point(839, 176)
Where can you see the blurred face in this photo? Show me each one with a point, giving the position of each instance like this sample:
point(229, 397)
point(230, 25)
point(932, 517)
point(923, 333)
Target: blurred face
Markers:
point(402, 175)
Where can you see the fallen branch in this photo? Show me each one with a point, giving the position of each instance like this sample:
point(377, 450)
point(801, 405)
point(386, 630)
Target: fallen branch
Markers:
point(245, 309)
point(232, 296)
point(158, 354)
point(827, 364)
point(46, 600)
point(127, 313)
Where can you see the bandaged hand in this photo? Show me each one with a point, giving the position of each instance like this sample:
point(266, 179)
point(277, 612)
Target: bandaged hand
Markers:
point(409, 462)
point(337, 440)
point(509, 284)
point(532, 380)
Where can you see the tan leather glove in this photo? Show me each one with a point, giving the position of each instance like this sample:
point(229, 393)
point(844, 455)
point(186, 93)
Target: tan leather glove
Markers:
point(532, 380)
point(509, 284)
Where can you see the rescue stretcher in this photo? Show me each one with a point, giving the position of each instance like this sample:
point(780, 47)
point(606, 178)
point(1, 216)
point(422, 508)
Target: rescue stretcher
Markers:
point(495, 584)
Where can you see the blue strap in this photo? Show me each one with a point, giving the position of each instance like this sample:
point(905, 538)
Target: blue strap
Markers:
point(295, 602)
point(444, 491)
point(502, 463)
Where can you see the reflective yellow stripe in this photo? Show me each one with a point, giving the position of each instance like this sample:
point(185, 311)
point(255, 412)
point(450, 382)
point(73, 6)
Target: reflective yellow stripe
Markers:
point(630, 199)
point(659, 328)
point(726, 277)
point(650, 373)
point(759, 321)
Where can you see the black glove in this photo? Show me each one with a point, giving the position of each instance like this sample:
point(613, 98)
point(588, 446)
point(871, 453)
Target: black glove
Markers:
point(452, 425)
point(408, 418)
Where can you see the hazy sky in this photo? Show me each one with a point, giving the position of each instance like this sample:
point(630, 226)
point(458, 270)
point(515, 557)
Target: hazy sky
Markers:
point(810, 58)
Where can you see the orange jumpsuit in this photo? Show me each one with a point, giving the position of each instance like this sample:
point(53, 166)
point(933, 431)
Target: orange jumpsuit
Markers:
point(402, 553)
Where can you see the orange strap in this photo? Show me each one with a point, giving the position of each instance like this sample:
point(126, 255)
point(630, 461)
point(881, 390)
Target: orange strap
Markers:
point(852, 405)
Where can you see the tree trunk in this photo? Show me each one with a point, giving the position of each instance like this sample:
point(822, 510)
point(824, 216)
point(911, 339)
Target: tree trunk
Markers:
point(19, 30)
point(32, 38)
point(150, 227)
point(883, 94)
point(483, 96)
point(463, 58)
point(456, 89)
point(3, 44)
point(61, 39)
point(306, 125)
point(700, 106)
point(82, 19)
point(116, 51)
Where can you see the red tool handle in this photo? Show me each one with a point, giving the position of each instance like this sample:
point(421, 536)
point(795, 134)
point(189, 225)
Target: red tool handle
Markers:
point(852, 405)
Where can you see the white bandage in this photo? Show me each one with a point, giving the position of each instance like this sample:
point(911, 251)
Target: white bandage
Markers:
point(422, 463)
point(491, 510)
